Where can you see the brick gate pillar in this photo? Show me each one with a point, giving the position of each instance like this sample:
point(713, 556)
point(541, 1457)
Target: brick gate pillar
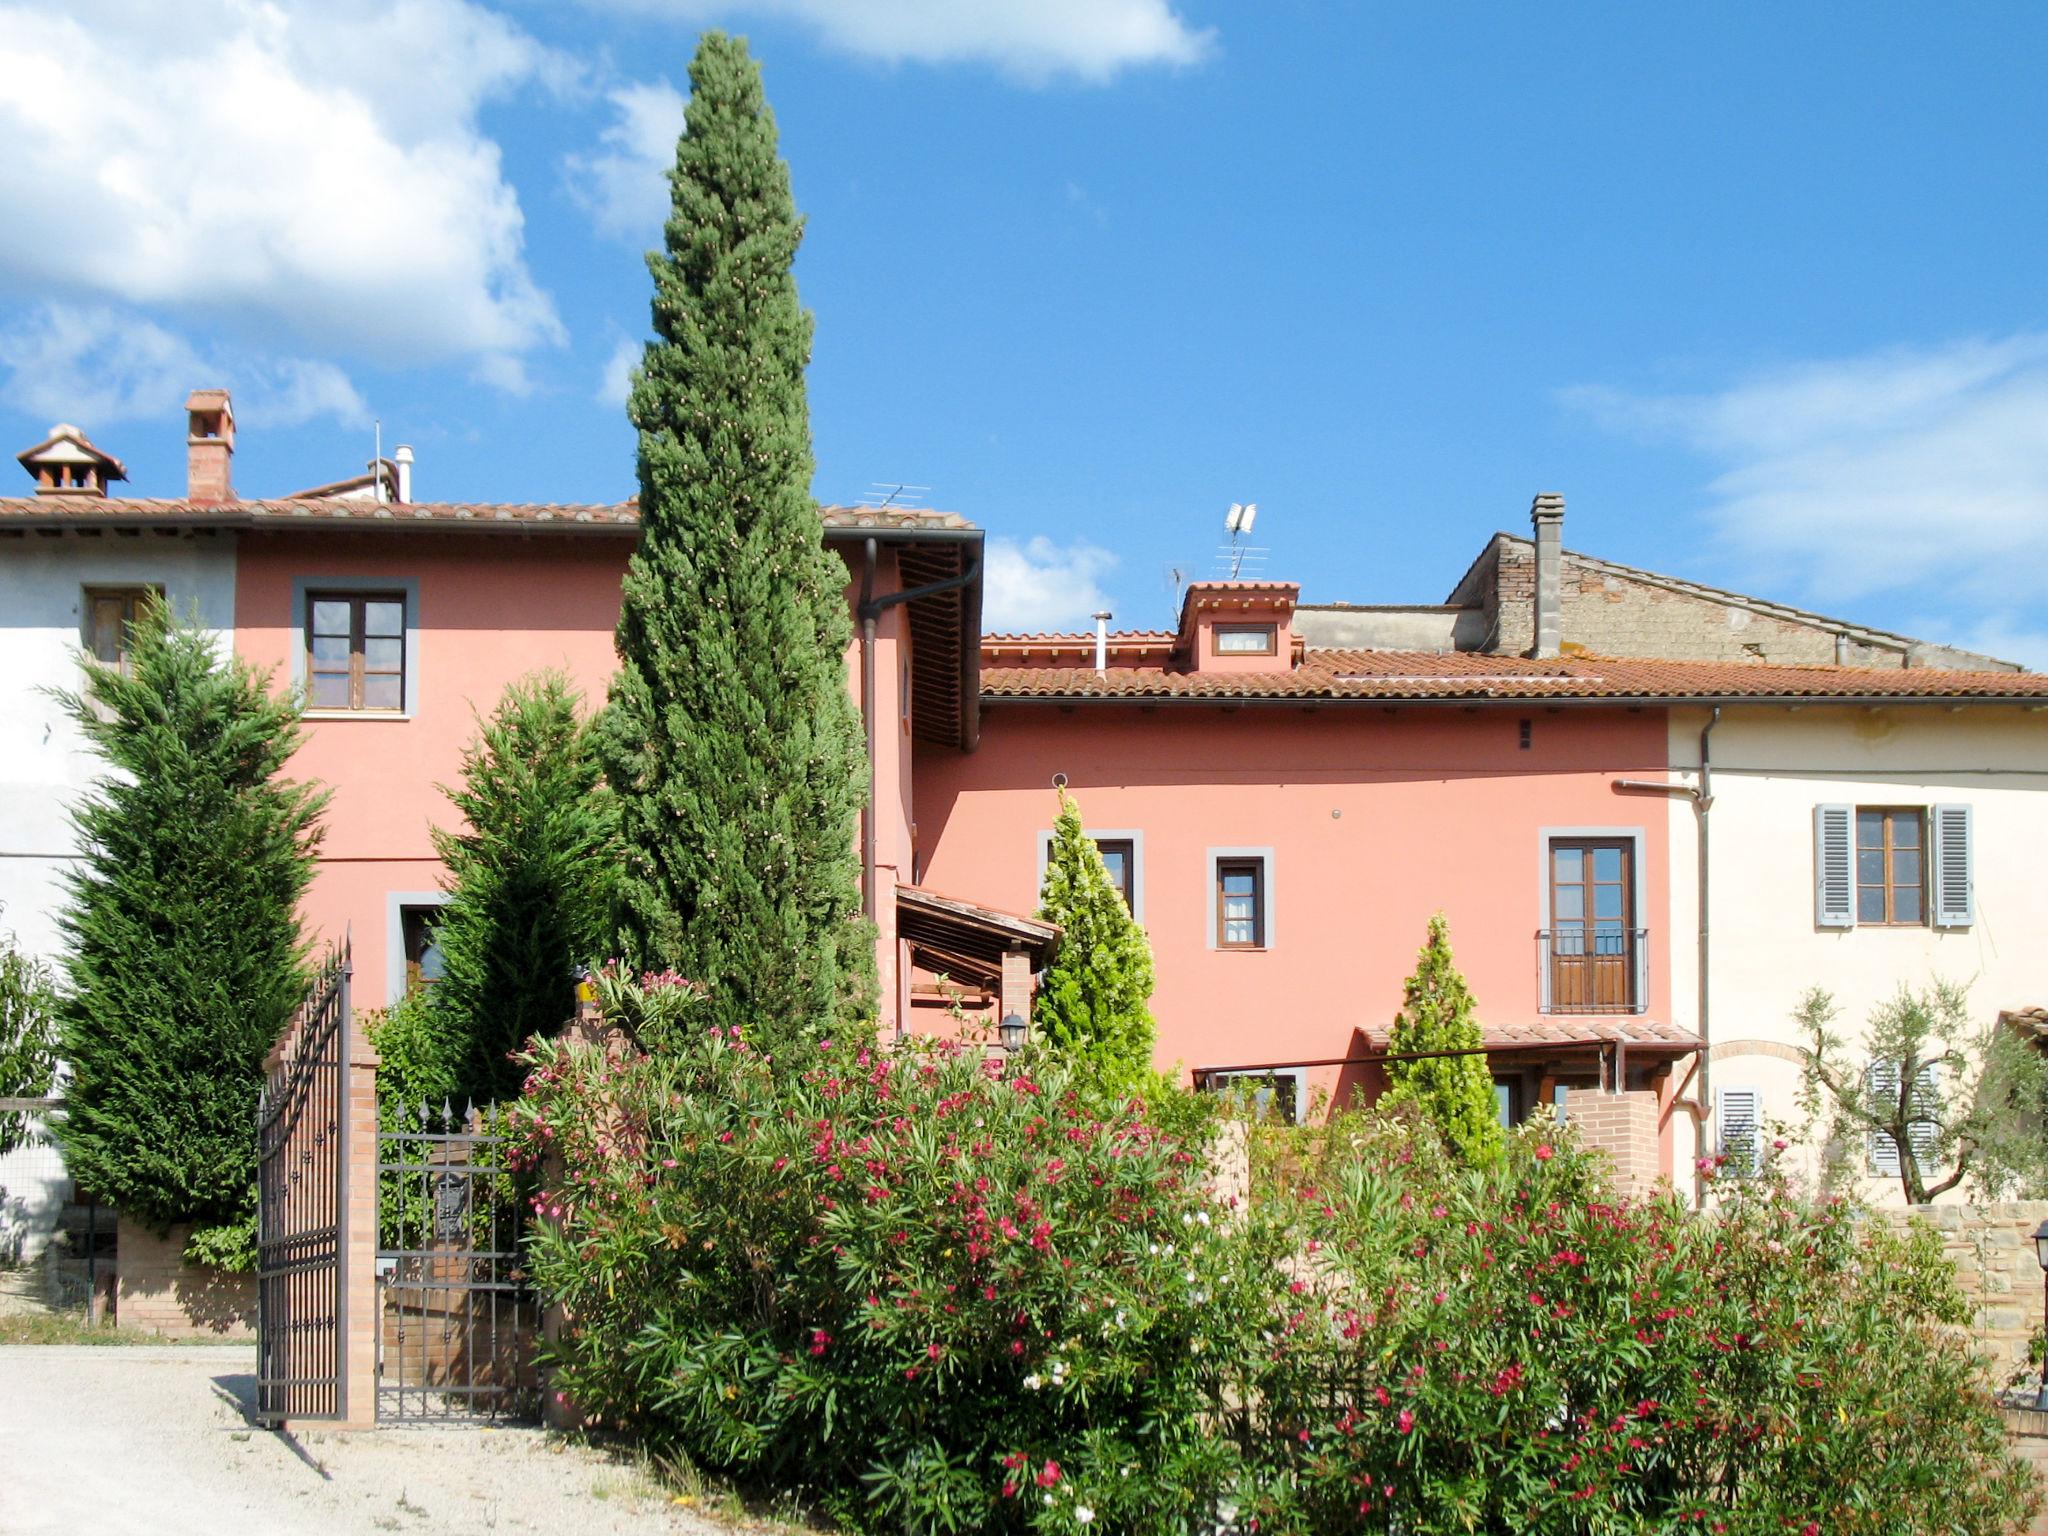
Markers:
point(359, 1238)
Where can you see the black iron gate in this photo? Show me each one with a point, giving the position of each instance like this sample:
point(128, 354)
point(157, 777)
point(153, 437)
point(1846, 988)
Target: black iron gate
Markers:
point(302, 1201)
point(457, 1322)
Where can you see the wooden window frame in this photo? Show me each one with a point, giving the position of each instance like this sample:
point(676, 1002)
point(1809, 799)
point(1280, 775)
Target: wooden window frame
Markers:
point(358, 602)
point(130, 596)
point(1269, 633)
point(427, 916)
point(1128, 846)
point(1240, 864)
point(1560, 962)
point(1857, 886)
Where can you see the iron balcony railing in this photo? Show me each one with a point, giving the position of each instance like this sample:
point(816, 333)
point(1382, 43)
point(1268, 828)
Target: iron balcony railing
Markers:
point(1593, 969)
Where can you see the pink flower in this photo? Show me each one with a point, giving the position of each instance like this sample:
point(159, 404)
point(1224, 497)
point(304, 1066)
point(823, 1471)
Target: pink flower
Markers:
point(1405, 1422)
point(1049, 1474)
point(1544, 1153)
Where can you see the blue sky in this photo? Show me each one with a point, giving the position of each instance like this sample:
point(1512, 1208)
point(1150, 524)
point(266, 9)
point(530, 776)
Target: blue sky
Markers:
point(1759, 291)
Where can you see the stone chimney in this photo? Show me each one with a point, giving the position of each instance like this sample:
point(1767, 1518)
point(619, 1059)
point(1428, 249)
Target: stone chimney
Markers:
point(209, 447)
point(66, 464)
point(1546, 517)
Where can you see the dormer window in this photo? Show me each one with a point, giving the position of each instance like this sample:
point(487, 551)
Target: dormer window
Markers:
point(1247, 640)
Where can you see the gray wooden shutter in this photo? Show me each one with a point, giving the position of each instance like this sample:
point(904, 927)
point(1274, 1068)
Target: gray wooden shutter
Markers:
point(1834, 866)
point(1955, 885)
point(1739, 1116)
point(1882, 1078)
point(1922, 1134)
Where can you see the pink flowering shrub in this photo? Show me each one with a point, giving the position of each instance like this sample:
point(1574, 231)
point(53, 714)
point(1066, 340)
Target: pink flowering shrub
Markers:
point(941, 1294)
point(1523, 1350)
point(937, 1293)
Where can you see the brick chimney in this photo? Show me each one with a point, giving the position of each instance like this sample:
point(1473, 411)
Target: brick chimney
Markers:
point(209, 447)
point(1546, 517)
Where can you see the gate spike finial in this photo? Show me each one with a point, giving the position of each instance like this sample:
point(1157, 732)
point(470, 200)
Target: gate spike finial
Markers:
point(469, 1116)
point(447, 1112)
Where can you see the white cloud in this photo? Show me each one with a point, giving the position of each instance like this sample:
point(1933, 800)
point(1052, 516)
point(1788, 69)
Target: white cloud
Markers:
point(625, 185)
point(617, 380)
point(301, 168)
point(1913, 469)
point(1041, 585)
point(1033, 40)
point(91, 364)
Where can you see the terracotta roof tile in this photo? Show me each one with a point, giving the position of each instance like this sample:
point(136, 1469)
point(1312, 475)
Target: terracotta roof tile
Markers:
point(88, 511)
point(1395, 676)
point(1650, 1033)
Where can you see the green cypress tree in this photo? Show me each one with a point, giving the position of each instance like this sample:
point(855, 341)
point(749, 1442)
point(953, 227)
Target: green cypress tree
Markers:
point(528, 882)
point(1094, 997)
point(186, 958)
point(730, 737)
point(1453, 1093)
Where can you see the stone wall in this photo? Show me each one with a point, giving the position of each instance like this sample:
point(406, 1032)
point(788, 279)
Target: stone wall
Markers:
point(1992, 1249)
point(158, 1292)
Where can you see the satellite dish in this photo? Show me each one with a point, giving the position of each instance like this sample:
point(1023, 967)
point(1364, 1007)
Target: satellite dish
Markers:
point(1244, 521)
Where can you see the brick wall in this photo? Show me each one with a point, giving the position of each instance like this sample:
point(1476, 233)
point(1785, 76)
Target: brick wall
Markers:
point(1624, 1126)
point(158, 1292)
point(2028, 1432)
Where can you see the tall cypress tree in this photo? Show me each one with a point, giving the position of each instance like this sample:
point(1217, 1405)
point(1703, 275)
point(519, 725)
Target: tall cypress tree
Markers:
point(528, 882)
point(1094, 999)
point(186, 957)
point(730, 737)
point(1454, 1093)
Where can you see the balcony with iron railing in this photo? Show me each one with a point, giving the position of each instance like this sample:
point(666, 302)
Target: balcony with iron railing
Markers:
point(1593, 968)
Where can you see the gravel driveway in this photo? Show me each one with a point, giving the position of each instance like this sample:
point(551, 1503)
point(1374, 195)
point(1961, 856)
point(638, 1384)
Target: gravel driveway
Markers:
point(156, 1441)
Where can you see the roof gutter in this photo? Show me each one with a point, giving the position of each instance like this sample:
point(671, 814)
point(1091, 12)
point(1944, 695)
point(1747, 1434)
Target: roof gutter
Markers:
point(2037, 701)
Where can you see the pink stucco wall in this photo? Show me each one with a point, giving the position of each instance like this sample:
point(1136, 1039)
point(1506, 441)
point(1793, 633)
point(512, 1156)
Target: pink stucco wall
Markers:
point(491, 608)
point(1375, 819)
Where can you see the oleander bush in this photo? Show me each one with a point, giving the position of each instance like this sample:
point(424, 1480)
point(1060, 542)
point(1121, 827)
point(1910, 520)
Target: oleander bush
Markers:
point(934, 1293)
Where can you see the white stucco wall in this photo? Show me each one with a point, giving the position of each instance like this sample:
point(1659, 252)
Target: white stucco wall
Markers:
point(1771, 767)
point(44, 763)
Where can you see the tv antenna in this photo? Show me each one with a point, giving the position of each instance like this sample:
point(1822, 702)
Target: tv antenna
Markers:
point(882, 495)
point(1237, 554)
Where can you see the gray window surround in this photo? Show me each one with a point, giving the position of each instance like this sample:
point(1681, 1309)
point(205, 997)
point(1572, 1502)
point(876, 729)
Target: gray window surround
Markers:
point(409, 587)
point(1212, 857)
point(1545, 836)
point(1131, 835)
point(395, 903)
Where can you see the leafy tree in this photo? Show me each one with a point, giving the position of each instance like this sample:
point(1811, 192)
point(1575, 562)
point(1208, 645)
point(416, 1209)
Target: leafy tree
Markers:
point(529, 886)
point(730, 736)
point(186, 957)
point(28, 1035)
point(1956, 1100)
point(1094, 997)
point(1453, 1092)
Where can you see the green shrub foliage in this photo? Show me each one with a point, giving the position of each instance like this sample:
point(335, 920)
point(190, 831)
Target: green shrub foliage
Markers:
point(186, 957)
point(28, 1035)
point(1453, 1093)
point(529, 894)
point(1094, 997)
point(730, 736)
point(937, 1294)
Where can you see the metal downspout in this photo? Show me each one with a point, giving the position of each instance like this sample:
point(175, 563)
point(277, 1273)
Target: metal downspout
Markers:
point(867, 720)
point(1703, 802)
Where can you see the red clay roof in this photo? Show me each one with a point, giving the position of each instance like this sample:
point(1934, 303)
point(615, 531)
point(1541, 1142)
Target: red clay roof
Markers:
point(90, 511)
point(1395, 676)
point(1566, 1030)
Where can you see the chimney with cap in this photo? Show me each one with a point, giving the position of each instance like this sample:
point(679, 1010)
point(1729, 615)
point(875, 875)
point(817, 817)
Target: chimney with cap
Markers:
point(1546, 516)
point(66, 464)
point(209, 447)
point(402, 457)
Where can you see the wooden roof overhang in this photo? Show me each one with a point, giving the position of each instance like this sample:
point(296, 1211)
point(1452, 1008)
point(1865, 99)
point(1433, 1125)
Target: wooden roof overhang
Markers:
point(967, 942)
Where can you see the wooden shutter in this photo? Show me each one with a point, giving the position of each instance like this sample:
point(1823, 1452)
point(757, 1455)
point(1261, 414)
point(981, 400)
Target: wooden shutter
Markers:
point(1834, 866)
point(1882, 1078)
point(1955, 892)
point(1922, 1133)
point(1739, 1113)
